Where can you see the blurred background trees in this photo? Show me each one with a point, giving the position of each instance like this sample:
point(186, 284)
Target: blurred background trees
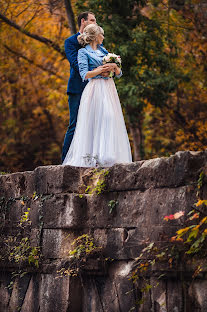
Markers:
point(163, 45)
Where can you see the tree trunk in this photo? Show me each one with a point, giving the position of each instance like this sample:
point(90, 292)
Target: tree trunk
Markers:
point(136, 134)
point(70, 15)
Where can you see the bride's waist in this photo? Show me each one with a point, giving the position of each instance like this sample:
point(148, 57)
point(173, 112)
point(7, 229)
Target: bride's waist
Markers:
point(99, 77)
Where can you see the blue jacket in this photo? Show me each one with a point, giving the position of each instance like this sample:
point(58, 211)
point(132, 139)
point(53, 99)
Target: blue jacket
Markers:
point(89, 59)
point(75, 83)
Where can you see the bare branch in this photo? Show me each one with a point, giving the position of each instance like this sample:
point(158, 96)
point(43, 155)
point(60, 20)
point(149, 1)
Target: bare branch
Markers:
point(32, 18)
point(70, 15)
point(25, 9)
point(50, 71)
point(177, 26)
point(44, 40)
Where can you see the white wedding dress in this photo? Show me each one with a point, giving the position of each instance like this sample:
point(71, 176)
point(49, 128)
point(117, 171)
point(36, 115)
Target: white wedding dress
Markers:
point(100, 137)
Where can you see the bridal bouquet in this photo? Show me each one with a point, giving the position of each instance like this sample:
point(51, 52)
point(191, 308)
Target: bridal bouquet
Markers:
point(112, 58)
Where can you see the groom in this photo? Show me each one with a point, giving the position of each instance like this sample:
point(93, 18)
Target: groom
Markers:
point(75, 83)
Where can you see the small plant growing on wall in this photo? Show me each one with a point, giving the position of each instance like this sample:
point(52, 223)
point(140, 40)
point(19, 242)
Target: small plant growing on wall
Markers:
point(18, 248)
point(99, 183)
point(83, 249)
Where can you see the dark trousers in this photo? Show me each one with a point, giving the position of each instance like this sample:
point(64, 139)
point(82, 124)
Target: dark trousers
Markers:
point(74, 102)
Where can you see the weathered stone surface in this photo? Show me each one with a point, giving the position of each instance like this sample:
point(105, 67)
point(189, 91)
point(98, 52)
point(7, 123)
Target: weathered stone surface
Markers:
point(54, 293)
point(122, 243)
point(5, 279)
point(43, 180)
point(57, 243)
point(58, 179)
point(17, 184)
point(198, 292)
point(12, 212)
point(173, 295)
point(113, 292)
point(137, 208)
point(17, 294)
point(65, 211)
point(144, 193)
point(177, 170)
point(31, 298)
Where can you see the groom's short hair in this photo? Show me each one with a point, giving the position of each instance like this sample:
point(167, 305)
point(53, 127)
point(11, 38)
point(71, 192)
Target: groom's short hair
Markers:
point(83, 15)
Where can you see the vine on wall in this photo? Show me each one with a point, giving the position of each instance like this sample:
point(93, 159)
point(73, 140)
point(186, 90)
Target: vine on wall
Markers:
point(19, 249)
point(188, 244)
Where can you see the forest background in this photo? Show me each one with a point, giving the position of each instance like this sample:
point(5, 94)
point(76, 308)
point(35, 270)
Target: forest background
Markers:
point(163, 91)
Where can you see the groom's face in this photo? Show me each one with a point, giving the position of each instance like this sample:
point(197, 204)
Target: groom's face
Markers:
point(90, 20)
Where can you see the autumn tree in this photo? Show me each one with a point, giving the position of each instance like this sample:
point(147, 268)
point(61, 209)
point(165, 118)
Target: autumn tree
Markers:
point(33, 79)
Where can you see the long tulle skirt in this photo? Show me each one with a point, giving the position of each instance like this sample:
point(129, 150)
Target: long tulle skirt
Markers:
point(100, 137)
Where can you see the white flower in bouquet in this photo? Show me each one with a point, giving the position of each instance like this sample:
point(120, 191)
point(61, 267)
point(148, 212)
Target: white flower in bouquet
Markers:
point(112, 58)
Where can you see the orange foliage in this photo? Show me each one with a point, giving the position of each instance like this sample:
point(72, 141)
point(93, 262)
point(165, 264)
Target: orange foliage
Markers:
point(34, 109)
point(33, 80)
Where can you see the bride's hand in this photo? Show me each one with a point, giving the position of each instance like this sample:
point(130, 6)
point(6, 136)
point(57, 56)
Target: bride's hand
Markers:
point(105, 74)
point(102, 69)
point(110, 67)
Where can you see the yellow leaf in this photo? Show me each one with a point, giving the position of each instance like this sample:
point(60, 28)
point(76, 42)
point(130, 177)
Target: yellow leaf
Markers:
point(183, 231)
point(203, 220)
point(201, 202)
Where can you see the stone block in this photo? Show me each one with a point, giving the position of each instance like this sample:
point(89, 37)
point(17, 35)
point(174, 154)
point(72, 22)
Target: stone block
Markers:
point(112, 242)
point(65, 211)
point(92, 299)
point(5, 279)
point(173, 171)
point(159, 295)
point(57, 243)
point(110, 293)
point(54, 293)
point(123, 244)
point(121, 286)
point(17, 184)
point(58, 179)
point(18, 291)
point(11, 213)
point(174, 300)
point(43, 180)
point(198, 294)
point(31, 298)
point(136, 208)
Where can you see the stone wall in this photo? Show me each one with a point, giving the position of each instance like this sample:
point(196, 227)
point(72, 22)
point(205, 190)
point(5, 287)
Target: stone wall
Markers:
point(61, 210)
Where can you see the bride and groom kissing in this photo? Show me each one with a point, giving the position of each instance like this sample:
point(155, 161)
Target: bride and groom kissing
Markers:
point(97, 134)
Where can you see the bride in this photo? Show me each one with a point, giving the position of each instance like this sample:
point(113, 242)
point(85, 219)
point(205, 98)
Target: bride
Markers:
point(100, 137)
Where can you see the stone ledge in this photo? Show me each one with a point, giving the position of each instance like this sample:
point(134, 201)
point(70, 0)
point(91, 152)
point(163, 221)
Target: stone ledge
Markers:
point(177, 170)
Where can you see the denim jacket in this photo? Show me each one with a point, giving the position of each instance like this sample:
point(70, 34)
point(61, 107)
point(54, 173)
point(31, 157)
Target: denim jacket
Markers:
point(89, 59)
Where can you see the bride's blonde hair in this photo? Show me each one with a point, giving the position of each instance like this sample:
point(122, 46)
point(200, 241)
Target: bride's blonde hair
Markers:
point(89, 34)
